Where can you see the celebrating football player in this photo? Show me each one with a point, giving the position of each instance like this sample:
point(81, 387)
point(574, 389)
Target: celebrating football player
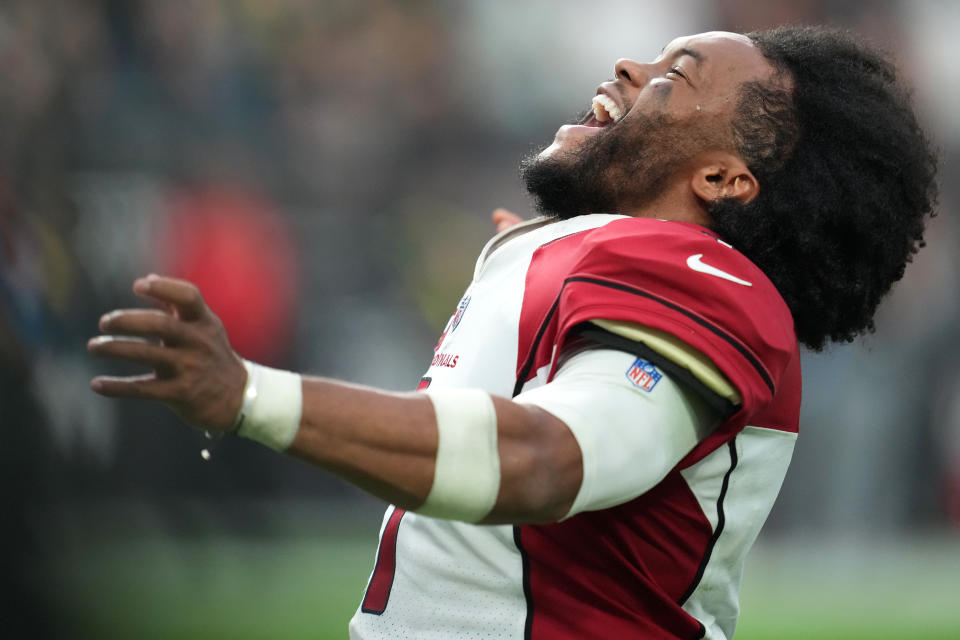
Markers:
point(610, 412)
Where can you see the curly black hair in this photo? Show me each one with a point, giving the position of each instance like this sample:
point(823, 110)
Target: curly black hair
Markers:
point(847, 179)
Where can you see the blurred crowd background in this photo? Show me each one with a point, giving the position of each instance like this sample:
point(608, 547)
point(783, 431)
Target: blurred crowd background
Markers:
point(325, 170)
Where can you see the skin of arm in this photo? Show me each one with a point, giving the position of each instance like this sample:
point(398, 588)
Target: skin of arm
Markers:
point(383, 442)
point(386, 444)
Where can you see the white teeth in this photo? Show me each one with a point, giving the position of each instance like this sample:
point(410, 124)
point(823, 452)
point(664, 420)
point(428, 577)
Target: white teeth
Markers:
point(604, 109)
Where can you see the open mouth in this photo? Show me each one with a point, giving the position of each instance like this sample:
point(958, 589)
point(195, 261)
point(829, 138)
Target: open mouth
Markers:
point(604, 112)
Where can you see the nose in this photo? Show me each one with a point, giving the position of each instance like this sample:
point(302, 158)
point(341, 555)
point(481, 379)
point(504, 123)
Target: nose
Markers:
point(630, 71)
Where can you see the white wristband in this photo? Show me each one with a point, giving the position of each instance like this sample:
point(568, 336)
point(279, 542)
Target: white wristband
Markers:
point(272, 406)
point(466, 479)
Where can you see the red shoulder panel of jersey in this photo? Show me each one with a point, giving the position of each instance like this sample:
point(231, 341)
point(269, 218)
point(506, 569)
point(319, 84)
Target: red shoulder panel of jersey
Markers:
point(672, 276)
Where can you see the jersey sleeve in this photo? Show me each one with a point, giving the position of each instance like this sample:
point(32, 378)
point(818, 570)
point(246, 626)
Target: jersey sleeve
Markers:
point(690, 367)
point(632, 421)
point(681, 281)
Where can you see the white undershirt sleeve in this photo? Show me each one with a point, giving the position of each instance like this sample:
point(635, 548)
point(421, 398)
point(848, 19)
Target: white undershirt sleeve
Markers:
point(633, 425)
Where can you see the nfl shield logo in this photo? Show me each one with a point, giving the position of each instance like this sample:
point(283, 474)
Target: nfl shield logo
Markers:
point(458, 314)
point(643, 374)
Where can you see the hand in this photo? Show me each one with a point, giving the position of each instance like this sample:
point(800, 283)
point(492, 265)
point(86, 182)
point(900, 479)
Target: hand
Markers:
point(195, 371)
point(505, 219)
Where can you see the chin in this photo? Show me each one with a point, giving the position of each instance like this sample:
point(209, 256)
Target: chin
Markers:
point(569, 138)
point(555, 151)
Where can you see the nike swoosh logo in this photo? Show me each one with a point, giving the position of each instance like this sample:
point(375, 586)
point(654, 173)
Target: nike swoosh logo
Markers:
point(695, 263)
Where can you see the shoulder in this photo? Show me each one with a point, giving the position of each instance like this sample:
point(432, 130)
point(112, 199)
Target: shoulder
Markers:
point(635, 245)
point(683, 263)
point(681, 279)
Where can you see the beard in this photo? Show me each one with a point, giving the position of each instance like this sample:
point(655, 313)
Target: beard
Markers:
point(623, 167)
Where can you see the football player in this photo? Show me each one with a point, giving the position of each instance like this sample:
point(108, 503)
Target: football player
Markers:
point(610, 412)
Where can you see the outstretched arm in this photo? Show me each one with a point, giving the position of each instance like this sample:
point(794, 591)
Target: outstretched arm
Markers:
point(384, 442)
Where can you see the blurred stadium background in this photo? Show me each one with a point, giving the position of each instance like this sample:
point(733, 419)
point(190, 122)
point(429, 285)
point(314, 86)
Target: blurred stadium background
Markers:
point(326, 170)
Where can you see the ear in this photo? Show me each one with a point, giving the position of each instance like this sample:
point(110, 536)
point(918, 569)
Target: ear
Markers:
point(724, 175)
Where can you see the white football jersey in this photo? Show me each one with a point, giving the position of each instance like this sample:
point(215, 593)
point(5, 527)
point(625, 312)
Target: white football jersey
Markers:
point(666, 564)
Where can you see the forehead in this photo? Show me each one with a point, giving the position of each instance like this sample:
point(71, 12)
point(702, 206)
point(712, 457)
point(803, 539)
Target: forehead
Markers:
point(731, 55)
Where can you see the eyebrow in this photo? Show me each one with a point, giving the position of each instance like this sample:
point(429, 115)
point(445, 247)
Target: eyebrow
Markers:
point(685, 51)
point(696, 55)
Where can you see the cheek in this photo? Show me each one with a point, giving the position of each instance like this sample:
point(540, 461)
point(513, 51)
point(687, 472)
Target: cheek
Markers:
point(659, 91)
point(654, 100)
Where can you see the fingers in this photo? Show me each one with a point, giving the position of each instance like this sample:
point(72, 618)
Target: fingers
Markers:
point(132, 349)
point(145, 386)
point(505, 219)
point(144, 323)
point(196, 373)
point(184, 296)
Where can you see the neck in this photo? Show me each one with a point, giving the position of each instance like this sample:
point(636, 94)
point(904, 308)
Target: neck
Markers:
point(677, 202)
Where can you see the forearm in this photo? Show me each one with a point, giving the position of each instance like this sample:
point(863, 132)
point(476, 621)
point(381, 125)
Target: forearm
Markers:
point(386, 444)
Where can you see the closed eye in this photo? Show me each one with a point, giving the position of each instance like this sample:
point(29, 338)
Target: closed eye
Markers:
point(676, 71)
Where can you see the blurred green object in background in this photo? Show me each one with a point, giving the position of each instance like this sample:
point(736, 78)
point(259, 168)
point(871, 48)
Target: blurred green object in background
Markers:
point(305, 578)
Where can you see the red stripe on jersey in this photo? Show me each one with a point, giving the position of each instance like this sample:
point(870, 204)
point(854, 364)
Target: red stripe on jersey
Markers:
point(782, 413)
point(381, 582)
point(620, 572)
